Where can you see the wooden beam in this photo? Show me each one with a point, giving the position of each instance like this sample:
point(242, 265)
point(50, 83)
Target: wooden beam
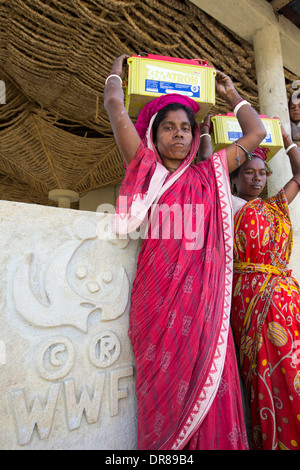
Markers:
point(278, 4)
point(248, 17)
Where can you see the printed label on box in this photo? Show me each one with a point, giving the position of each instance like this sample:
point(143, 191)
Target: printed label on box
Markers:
point(162, 80)
point(235, 132)
point(153, 86)
point(234, 135)
point(268, 138)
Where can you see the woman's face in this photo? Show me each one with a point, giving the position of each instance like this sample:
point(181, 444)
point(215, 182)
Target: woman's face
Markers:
point(295, 112)
point(174, 137)
point(251, 179)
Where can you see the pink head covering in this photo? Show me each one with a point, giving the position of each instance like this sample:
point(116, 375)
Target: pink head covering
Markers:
point(261, 152)
point(148, 179)
point(156, 105)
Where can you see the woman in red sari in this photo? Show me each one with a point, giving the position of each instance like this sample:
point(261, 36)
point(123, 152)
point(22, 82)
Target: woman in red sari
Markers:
point(266, 303)
point(187, 383)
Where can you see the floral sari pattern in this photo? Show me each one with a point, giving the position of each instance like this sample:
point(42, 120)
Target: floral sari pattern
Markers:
point(266, 321)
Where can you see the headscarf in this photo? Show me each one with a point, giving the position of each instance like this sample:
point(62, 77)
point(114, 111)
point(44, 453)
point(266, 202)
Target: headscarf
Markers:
point(262, 153)
point(147, 178)
point(150, 109)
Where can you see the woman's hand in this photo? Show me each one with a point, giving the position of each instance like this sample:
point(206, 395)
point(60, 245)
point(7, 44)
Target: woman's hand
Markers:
point(284, 132)
point(225, 88)
point(119, 66)
point(207, 122)
point(252, 127)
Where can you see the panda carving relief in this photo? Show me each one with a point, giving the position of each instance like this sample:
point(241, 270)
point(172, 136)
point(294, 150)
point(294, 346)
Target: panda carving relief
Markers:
point(83, 274)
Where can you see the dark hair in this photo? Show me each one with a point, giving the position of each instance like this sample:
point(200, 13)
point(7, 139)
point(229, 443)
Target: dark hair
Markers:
point(234, 173)
point(172, 107)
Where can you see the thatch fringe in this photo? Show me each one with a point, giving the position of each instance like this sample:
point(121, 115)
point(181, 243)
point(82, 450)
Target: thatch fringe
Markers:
point(54, 58)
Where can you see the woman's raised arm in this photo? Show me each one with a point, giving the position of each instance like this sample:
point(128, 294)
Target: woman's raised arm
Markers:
point(292, 187)
point(252, 127)
point(123, 128)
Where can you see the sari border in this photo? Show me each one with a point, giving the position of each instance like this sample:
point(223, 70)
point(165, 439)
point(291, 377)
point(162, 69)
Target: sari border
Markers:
point(209, 391)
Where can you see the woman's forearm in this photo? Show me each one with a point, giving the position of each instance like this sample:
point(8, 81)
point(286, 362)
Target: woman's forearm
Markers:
point(293, 154)
point(292, 187)
point(252, 127)
point(248, 118)
point(123, 128)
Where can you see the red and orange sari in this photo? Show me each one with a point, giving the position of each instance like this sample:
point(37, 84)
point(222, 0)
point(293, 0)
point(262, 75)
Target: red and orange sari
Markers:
point(187, 383)
point(266, 321)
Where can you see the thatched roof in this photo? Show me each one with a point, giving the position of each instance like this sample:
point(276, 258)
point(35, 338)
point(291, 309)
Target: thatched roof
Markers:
point(54, 58)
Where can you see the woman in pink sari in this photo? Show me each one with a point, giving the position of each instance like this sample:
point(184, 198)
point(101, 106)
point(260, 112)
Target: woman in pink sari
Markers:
point(187, 384)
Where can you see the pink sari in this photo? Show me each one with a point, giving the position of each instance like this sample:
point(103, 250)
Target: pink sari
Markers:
point(187, 383)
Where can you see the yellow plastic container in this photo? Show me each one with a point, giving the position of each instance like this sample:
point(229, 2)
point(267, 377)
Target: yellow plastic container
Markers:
point(226, 130)
point(153, 76)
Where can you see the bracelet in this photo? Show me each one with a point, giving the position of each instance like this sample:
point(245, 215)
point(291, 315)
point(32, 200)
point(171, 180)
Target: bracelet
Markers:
point(204, 125)
point(290, 147)
point(285, 137)
point(248, 154)
point(239, 105)
point(293, 179)
point(205, 134)
point(242, 99)
point(114, 75)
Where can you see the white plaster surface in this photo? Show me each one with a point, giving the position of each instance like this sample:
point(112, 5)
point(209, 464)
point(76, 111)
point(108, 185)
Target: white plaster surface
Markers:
point(67, 376)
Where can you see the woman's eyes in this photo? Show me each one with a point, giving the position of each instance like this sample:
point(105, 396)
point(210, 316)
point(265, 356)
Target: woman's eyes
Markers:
point(249, 172)
point(184, 128)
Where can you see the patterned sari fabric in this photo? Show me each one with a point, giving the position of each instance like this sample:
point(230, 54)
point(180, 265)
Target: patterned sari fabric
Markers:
point(266, 321)
point(187, 385)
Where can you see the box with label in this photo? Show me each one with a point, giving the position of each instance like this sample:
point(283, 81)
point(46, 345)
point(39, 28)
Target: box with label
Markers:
point(226, 130)
point(152, 76)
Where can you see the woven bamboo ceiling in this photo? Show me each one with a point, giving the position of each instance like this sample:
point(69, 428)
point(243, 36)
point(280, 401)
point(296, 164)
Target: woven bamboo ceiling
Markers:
point(54, 58)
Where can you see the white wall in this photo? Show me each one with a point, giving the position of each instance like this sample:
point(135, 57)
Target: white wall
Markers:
point(67, 377)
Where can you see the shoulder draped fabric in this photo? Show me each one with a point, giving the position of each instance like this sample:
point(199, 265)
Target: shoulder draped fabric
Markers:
point(266, 321)
point(187, 381)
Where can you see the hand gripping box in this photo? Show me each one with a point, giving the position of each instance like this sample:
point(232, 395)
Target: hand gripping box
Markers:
point(226, 130)
point(152, 76)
